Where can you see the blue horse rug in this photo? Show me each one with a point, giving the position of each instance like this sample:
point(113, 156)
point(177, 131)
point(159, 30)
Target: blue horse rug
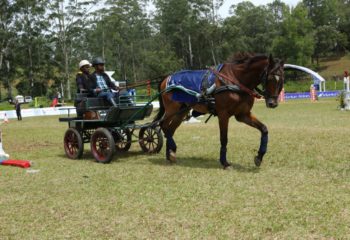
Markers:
point(186, 85)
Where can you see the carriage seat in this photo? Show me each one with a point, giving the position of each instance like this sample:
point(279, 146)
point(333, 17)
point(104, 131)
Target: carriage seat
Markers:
point(90, 103)
point(85, 104)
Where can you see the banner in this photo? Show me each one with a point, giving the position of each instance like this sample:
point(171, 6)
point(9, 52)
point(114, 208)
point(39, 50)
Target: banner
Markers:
point(303, 95)
point(34, 112)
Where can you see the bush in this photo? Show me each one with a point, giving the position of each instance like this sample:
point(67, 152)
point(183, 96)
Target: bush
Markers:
point(341, 99)
point(41, 102)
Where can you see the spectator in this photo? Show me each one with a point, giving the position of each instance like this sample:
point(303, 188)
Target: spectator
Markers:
point(18, 110)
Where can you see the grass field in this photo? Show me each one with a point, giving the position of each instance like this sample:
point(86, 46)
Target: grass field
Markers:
point(301, 191)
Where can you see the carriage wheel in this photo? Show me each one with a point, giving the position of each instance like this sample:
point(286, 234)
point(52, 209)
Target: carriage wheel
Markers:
point(102, 145)
point(150, 140)
point(73, 144)
point(123, 140)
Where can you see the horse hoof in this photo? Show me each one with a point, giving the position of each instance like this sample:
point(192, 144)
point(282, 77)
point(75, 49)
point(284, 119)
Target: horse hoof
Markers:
point(257, 161)
point(228, 168)
point(172, 156)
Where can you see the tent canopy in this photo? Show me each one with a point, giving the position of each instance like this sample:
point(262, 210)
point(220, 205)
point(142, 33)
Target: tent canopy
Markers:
point(318, 79)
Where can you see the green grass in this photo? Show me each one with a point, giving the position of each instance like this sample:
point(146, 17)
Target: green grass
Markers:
point(301, 191)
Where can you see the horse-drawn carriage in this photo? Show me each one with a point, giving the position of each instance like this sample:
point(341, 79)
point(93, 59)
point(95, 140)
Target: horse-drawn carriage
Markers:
point(228, 90)
point(109, 129)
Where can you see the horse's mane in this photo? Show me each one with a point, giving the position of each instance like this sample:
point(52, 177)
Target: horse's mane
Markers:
point(246, 58)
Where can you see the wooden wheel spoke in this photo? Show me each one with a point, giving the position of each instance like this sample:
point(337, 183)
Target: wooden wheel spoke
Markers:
point(73, 143)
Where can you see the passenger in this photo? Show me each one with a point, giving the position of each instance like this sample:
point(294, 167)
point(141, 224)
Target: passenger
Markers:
point(83, 79)
point(101, 84)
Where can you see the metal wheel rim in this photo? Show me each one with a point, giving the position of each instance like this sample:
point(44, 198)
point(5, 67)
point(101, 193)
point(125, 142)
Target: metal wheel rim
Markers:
point(101, 146)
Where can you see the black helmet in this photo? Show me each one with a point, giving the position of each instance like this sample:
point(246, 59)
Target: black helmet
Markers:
point(97, 61)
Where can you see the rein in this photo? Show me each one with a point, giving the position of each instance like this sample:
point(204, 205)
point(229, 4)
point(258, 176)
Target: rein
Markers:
point(234, 81)
point(145, 82)
point(264, 77)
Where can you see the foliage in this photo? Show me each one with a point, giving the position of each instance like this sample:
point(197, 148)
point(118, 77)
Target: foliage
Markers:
point(296, 43)
point(341, 99)
point(41, 41)
point(41, 102)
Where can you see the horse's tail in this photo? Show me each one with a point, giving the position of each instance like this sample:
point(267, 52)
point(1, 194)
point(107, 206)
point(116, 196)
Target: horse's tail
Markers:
point(161, 109)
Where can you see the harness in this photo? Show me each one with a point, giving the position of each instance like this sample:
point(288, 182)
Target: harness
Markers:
point(257, 94)
point(235, 86)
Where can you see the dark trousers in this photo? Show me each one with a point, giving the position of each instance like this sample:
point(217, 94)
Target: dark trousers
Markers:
point(19, 116)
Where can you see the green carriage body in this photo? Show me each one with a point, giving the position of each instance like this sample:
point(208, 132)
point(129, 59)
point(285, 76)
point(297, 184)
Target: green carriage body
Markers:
point(110, 129)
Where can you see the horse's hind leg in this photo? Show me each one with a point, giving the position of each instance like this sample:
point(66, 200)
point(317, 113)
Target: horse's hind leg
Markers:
point(251, 120)
point(170, 123)
point(223, 123)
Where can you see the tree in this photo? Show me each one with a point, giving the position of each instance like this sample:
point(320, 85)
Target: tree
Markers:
point(344, 20)
point(328, 40)
point(7, 41)
point(326, 17)
point(250, 29)
point(323, 12)
point(296, 42)
point(30, 25)
point(191, 29)
point(67, 20)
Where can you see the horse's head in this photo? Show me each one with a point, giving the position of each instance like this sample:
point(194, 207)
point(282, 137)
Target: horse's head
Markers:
point(272, 81)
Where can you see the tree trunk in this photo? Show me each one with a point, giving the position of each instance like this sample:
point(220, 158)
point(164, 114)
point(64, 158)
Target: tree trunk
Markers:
point(133, 62)
point(212, 52)
point(63, 40)
point(1, 58)
point(190, 50)
point(8, 79)
point(66, 72)
point(31, 78)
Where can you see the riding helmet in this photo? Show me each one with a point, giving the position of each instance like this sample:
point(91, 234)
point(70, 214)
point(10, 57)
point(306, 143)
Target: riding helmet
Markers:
point(98, 61)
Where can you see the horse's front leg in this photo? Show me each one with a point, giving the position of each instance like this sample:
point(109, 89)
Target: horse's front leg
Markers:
point(223, 123)
point(251, 120)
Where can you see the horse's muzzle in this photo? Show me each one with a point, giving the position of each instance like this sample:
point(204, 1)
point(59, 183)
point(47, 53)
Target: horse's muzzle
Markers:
point(271, 102)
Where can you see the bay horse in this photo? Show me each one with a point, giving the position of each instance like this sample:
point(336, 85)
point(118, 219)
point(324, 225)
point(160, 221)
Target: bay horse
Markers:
point(246, 71)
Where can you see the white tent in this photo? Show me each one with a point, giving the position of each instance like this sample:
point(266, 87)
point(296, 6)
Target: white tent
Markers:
point(110, 73)
point(318, 79)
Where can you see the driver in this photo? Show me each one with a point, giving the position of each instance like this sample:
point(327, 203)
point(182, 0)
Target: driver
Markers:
point(83, 77)
point(101, 84)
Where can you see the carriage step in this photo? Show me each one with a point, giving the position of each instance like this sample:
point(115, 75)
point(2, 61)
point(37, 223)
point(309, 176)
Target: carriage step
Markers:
point(67, 119)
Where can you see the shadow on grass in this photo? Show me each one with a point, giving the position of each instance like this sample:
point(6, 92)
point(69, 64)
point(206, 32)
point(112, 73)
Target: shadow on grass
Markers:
point(158, 159)
point(117, 157)
point(200, 162)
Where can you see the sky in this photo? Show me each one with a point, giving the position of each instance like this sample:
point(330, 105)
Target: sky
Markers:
point(224, 10)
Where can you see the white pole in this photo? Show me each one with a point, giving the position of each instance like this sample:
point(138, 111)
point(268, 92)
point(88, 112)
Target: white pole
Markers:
point(3, 155)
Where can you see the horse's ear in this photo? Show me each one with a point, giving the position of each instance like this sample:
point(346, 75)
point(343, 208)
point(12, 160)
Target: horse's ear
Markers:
point(271, 62)
point(282, 62)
